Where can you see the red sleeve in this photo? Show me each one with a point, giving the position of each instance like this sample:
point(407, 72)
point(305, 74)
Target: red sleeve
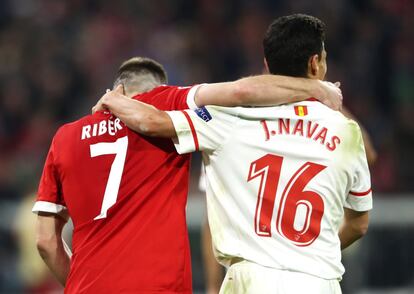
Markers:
point(49, 196)
point(170, 97)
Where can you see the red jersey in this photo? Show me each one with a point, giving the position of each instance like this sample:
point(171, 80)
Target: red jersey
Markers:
point(126, 195)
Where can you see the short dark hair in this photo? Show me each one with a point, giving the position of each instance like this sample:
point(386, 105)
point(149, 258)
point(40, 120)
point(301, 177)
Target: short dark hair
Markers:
point(290, 41)
point(138, 66)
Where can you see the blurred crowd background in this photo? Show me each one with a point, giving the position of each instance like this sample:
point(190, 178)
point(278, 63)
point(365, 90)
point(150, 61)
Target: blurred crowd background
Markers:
point(58, 57)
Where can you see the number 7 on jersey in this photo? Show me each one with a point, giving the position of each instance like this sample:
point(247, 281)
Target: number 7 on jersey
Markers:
point(119, 148)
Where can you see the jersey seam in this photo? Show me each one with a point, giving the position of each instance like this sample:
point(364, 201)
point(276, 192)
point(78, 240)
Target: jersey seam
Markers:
point(236, 123)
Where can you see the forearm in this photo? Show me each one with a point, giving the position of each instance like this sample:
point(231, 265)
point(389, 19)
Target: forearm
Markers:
point(213, 271)
point(275, 90)
point(51, 246)
point(57, 258)
point(348, 235)
point(263, 90)
point(140, 117)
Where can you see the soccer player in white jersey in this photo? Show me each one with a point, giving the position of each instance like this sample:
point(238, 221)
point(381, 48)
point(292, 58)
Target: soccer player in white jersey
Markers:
point(288, 186)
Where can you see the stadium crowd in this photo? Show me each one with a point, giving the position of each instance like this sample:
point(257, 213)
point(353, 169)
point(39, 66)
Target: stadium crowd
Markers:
point(58, 57)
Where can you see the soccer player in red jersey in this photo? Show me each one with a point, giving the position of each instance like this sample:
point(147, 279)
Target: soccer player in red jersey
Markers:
point(126, 193)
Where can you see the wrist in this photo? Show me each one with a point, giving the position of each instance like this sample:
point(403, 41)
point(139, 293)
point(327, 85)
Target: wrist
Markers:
point(318, 90)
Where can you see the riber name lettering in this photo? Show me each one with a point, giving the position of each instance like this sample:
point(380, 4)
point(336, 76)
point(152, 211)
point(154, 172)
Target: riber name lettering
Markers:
point(104, 126)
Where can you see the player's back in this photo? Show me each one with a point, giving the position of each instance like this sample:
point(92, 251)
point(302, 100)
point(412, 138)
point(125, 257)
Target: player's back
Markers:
point(278, 183)
point(126, 196)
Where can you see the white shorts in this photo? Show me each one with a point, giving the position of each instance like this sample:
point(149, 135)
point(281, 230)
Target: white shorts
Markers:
point(251, 278)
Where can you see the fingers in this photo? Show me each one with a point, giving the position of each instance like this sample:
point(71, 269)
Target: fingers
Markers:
point(119, 89)
point(98, 107)
point(332, 95)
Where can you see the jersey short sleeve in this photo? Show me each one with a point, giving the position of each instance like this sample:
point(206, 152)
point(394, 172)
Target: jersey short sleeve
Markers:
point(49, 196)
point(202, 129)
point(171, 97)
point(360, 195)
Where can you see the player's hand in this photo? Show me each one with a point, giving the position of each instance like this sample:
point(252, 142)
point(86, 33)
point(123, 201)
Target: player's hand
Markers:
point(102, 103)
point(331, 95)
point(98, 107)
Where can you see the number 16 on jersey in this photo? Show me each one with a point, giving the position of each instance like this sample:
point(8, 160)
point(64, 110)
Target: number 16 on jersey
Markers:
point(300, 212)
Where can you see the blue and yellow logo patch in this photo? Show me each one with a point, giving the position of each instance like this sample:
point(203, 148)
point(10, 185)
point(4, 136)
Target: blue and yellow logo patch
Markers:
point(203, 113)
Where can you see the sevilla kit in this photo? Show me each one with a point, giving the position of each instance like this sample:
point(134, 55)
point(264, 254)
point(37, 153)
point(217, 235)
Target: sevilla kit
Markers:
point(278, 181)
point(126, 195)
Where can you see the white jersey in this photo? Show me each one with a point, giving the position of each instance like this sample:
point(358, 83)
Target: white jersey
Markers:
point(278, 180)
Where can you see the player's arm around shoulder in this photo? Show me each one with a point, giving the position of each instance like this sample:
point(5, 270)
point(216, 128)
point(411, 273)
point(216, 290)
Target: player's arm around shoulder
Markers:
point(268, 90)
point(51, 246)
point(188, 127)
point(138, 116)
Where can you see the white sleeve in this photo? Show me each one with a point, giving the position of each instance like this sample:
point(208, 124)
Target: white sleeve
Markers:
point(45, 206)
point(360, 195)
point(202, 129)
point(191, 96)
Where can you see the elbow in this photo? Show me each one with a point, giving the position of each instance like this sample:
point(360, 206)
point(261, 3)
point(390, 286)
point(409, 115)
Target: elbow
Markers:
point(42, 245)
point(46, 245)
point(241, 93)
point(361, 230)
